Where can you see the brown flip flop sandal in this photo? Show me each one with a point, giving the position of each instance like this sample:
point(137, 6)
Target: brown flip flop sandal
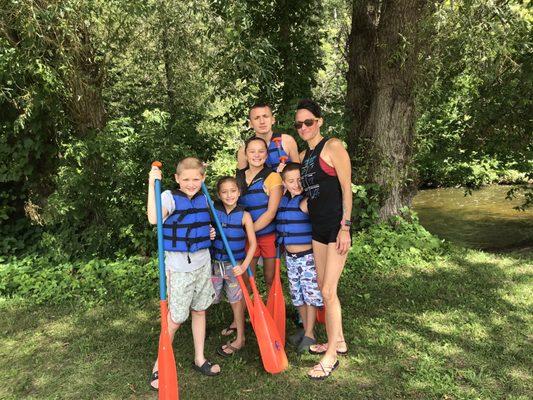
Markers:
point(221, 352)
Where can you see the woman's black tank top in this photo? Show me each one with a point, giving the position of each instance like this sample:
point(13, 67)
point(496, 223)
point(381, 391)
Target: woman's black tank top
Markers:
point(323, 191)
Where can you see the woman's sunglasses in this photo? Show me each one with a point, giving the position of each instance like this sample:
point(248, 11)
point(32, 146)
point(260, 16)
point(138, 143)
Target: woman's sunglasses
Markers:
point(308, 122)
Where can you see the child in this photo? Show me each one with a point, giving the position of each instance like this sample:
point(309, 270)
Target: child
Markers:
point(186, 231)
point(261, 191)
point(239, 229)
point(294, 232)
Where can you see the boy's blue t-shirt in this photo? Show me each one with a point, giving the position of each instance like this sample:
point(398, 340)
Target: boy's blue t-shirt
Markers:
point(177, 261)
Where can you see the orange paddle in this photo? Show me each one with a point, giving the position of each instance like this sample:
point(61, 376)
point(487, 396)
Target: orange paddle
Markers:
point(321, 315)
point(277, 141)
point(276, 301)
point(168, 377)
point(270, 346)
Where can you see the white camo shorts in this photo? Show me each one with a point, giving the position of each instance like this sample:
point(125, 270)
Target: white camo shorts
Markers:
point(189, 291)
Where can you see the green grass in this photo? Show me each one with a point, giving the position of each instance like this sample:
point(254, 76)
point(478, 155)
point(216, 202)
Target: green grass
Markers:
point(458, 329)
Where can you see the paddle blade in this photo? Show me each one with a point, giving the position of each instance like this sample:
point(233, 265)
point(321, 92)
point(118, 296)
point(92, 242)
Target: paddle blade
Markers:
point(269, 341)
point(168, 377)
point(321, 315)
point(276, 303)
point(247, 299)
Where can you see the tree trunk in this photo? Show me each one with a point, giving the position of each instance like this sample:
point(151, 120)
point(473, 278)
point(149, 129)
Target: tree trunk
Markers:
point(85, 82)
point(383, 47)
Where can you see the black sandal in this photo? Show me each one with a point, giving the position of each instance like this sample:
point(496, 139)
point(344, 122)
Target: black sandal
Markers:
point(154, 377)
point(205, 369)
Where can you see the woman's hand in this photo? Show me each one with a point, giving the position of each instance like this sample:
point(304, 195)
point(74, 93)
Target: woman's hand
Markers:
point(343, 242)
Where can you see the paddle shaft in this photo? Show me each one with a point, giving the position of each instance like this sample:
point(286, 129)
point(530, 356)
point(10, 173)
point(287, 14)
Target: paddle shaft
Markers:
point(160, 248)
point(168, 377)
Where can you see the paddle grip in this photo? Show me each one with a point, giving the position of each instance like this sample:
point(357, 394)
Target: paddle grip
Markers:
point(277, 140)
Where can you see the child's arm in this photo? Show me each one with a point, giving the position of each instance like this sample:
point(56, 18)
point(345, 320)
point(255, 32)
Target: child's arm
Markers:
point(248, 224)
point(303, 206)
point(302, 156)
point(241, 158)
point(273, 203)
point(290, 147)
point(155, 173)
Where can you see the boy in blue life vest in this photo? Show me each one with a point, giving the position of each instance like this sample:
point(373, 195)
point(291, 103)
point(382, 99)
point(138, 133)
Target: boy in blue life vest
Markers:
point(186, 234)
point(238, 227)
point(281, 147)
point(294, 232)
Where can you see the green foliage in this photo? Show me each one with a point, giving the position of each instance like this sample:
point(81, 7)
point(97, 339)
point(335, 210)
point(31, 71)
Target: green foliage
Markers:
point(92, 92)
point(52, 278)
point(330, 88)
point(471, 173)
point(475, 97)
point(366, 202)
point(49, 279)
point(387, 246)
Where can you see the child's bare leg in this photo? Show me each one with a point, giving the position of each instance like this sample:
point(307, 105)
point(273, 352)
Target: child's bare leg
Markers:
point(268, 271)
point(172, 328)
point(309, 319)
point(302, 310)
point(238, 315)
point(198, 335)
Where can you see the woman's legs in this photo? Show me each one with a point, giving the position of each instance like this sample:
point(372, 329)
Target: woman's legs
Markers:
point(329, 266)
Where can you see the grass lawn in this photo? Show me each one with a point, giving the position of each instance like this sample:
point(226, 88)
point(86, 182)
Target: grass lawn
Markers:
point(458, 329)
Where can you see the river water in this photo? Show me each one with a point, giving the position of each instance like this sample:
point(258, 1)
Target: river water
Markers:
point(484, 220)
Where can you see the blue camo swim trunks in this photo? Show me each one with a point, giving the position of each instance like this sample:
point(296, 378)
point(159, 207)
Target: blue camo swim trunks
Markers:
point(303, 283)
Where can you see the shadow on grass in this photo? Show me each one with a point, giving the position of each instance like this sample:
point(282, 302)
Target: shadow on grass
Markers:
point(458, 329)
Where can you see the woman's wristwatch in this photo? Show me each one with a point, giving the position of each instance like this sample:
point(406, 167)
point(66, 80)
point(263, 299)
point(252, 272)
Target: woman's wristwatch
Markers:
point(345, 224)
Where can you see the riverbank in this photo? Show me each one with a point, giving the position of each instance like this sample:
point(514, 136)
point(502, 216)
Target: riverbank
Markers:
point(456, 327)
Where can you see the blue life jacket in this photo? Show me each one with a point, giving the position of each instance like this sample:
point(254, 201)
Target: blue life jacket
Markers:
point(254, 199)
point(187, 228)
point(292, 224)
point(274, 154)
point(234, 231)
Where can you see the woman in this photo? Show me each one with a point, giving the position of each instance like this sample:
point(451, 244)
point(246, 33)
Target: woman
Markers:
point(326, 179)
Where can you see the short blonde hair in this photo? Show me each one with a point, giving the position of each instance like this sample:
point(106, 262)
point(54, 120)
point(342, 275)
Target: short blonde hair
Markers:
point(190, 163)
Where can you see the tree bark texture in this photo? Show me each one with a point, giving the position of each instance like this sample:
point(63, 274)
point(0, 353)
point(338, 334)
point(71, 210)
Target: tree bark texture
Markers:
point(84, 80)
point(383, 48)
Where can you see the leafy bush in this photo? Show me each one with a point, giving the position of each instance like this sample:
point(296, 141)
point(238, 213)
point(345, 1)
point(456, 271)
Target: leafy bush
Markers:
point(45, 279)
point(52, 279)
point(390, 245)
point(365, 208)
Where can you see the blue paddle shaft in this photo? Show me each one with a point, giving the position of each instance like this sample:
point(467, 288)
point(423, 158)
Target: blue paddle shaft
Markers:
point(221, 231)
point(160, 248)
